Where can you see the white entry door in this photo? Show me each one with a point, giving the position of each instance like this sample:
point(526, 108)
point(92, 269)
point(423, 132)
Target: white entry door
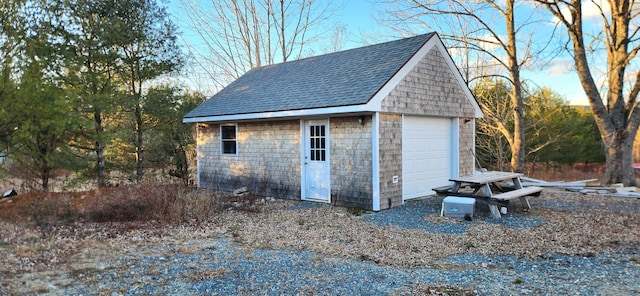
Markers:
point(316, 161)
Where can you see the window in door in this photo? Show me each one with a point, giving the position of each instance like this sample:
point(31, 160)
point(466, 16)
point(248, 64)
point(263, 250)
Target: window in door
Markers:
point(317, 147)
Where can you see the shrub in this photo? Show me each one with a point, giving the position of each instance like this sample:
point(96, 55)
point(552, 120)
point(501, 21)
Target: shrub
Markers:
point(142, 202)
point(43, 208)
point(172, 204)
point(147, 202)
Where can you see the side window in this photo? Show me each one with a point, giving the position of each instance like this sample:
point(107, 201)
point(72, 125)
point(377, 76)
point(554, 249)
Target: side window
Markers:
point(229, 144)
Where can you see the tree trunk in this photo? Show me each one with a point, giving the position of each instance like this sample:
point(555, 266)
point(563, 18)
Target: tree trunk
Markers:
point(517, 148)
point(282, 27)
point(619, 160)
point(183, 165)
point(138, 144)
point(44, 178)
point(617, 121)
point(99, 149)
point(518, 144)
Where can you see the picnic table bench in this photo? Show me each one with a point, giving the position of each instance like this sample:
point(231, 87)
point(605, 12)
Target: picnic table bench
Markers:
point(488, 186)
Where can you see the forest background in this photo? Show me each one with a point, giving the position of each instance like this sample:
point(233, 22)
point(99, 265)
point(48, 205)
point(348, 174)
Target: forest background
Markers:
point(95, 90)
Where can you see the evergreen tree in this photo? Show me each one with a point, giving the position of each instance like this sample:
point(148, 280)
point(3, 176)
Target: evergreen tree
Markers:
point(147, 49)
point(171, 142)
point(86, 40)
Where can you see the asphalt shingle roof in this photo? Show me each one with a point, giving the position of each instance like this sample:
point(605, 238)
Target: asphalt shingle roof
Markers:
point(345, 78)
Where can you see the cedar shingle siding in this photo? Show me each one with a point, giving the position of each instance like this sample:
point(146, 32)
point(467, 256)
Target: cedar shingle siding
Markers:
point(268, 159)
point(351, 162)
point(430, 89)
point(390, 160)
point(270, 104)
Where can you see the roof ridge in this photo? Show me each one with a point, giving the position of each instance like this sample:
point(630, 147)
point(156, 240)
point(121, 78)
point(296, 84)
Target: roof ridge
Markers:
point(343, 78)
point(350, 49)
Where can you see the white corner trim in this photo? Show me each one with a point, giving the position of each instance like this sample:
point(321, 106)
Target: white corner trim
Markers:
point(303, 174)
point(375, 152)
point(455, 147)
point(198, 156)
point(402, 137)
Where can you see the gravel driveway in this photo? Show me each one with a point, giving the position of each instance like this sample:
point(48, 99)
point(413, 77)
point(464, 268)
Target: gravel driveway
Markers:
point(221, 260)
point(224, 268)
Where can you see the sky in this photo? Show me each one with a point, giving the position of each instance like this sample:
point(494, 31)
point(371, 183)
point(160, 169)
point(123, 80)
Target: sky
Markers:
point(358, 16)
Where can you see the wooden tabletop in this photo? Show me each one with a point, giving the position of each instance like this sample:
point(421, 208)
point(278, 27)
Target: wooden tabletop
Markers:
point(487, 177)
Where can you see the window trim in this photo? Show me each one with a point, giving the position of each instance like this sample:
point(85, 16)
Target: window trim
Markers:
point(317, 142)
point(223, 140)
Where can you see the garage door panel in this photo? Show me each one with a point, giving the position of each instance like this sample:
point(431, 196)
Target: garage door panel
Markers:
point(426, 155)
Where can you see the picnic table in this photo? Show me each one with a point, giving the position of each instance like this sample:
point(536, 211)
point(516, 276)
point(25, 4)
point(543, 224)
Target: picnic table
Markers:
point(488, 186)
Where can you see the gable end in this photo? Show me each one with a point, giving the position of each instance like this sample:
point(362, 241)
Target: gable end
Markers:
point(430, 88)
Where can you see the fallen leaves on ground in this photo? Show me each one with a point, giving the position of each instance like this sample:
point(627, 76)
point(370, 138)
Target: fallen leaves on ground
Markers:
point(80, 247)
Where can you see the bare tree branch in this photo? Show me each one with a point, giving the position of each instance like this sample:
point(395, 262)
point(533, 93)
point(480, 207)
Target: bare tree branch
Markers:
point(238, 35)
point(619, 119)
point(502, 44)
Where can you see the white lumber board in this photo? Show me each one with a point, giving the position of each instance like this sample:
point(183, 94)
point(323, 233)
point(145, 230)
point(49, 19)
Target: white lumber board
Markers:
point(554, 184)
point(562, 184)
point(517, 193)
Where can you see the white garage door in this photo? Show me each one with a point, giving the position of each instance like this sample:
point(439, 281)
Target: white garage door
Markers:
point(426, 155)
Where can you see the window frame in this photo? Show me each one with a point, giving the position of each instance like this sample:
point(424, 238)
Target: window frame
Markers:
point(317, 142)
point(229, 140)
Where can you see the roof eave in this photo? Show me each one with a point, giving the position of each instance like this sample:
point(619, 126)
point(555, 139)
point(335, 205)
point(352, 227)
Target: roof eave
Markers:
point(283, 114)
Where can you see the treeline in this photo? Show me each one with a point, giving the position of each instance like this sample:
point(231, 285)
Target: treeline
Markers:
point(555, 132)
point(81, 90)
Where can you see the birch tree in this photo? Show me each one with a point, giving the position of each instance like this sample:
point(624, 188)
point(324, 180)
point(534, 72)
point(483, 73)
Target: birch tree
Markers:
point(614, 106)
point(492, 147)
point(544, 127)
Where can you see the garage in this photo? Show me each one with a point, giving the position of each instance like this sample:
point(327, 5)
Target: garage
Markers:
point(426, 155)
point(402, 123)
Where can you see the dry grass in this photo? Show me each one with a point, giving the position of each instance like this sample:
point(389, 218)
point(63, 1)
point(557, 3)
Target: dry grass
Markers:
point(165, 204)
point(332, 231)
point(77, 238)
point(555, 172)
